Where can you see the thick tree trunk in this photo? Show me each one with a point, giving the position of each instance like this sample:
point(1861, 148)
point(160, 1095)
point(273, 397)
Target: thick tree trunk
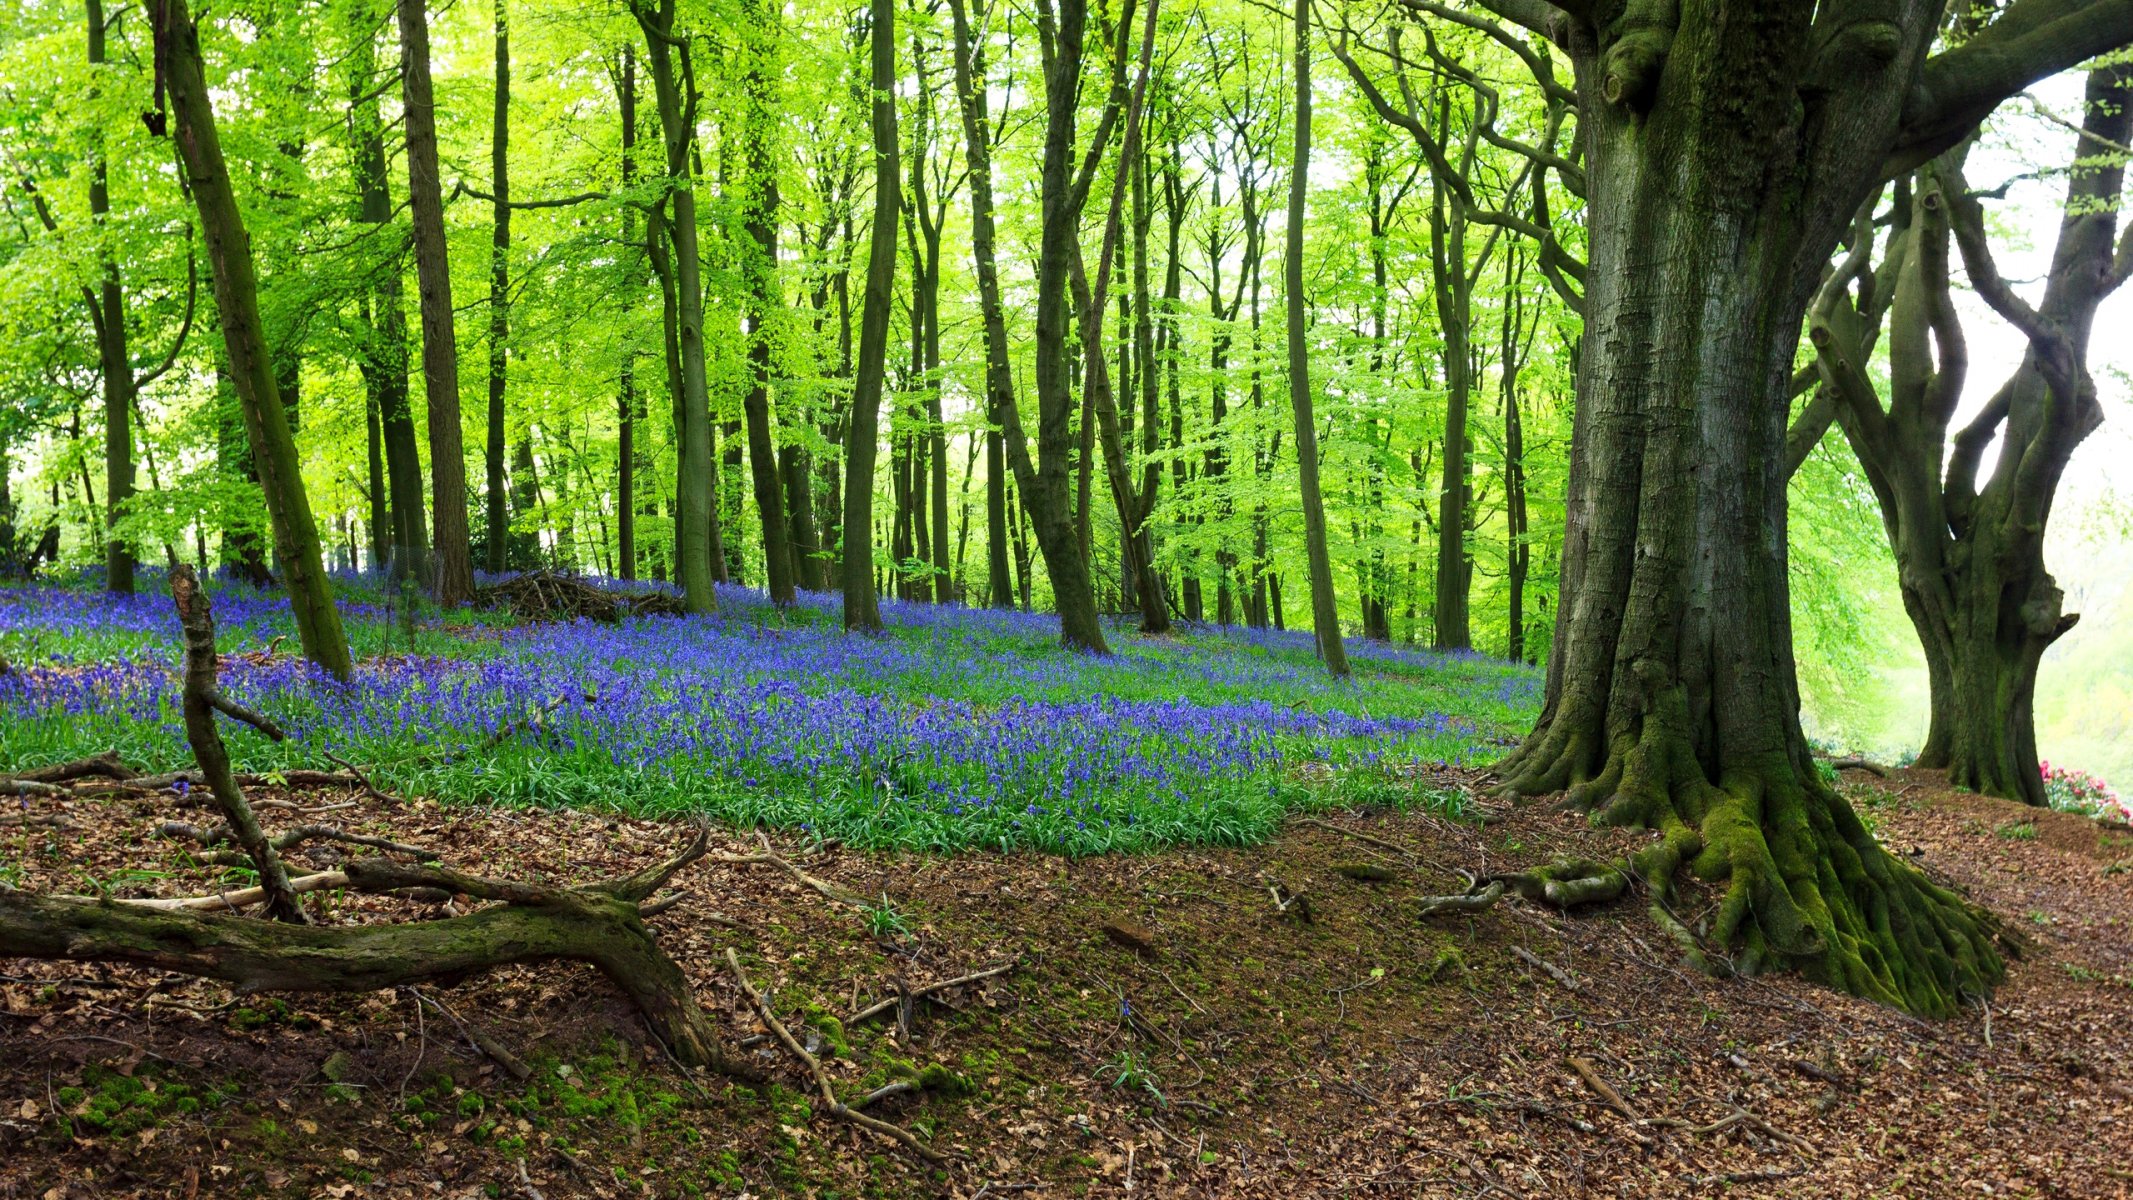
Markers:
point(1672, 702)
point(454, 566)
point(1455, 568)
point(497, 513)
point(296, 540)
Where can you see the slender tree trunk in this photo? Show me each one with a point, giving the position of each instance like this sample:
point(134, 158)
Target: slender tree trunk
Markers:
point(384, 364)
point(499, 516)
point(1325, 610)
point(697, 519)
point(1455, 568)
point(381, 525)
point(627, 403)
point(759, 47)
point(114, 360)
point(970, 88)
point(862, 610)
point(318, 622)
point(440, 349)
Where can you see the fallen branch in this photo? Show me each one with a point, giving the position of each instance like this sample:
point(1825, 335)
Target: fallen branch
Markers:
point(482, 1040)
point(1591, 1075)
point(771, 857)
point(228, 901)
point(889, 1005)
point(290, 839)
point(1568, 982)
point(836, 1108)
point(1858, 764)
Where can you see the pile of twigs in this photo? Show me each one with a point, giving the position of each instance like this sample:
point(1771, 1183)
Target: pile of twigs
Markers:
point(553, 596)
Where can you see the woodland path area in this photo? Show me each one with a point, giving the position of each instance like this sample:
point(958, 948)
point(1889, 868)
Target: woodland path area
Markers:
point(1177, 1024)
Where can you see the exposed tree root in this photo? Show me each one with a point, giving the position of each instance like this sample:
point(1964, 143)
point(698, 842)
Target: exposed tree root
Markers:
point(284, 842)
point(1806, 885)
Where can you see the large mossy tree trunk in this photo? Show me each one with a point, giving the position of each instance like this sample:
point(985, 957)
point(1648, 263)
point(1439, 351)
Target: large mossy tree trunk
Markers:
point(1726, 155)
point(296, 542)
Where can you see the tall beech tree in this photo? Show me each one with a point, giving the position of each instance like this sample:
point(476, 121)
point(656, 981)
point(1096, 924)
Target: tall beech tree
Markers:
point(1969, 542)
point(1325, 614)
point(669, 58)
point(760, 63)
point(1726, 148)
point(182, 76)
point(453, 569)
point(971, 89)
point(383, 345)
point(862, 608)
point(497, 512)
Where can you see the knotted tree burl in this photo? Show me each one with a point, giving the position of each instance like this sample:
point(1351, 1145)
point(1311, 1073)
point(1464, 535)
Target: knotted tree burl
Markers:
point(1727, 146)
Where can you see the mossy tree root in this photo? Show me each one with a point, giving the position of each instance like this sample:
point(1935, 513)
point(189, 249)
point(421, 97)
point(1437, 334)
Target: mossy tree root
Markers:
point(1807, 887)
point(600, 925)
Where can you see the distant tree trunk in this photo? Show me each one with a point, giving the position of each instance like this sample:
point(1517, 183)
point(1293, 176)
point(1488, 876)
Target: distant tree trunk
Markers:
point(114, 361)
point(759, 44)
point(970, 87)
point(677, 111)
point(862, 611)
point(381, 534)
point(1325, 610)
point(626, 403)
point(1518, 548)
point(384, 356)
point(318, 622)
point(1455, 568)
point(499, 516)
point(1969, 542)
point(440, 350)
point(1046, 485)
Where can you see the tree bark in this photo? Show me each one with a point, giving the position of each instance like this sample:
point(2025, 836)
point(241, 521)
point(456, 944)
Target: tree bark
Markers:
point(1718, 189)
point(296, 540)
point(759, 44)
point(384, 356)
point(1970, 552)
point(454, 568)
point(627, 403)
point(1325, 611)
point(971, 94)
point(862, 609)
point(676, 92)
point(497, 512)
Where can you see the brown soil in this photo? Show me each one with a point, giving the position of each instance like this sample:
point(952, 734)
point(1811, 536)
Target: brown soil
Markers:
point(1332, 1047)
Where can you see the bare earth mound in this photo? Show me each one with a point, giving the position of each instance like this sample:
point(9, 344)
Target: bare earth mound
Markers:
point(1271, 1021)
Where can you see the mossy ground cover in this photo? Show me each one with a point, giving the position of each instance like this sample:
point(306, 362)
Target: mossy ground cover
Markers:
point(959, 728)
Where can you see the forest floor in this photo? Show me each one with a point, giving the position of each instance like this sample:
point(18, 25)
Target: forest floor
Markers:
point(1168, 1029)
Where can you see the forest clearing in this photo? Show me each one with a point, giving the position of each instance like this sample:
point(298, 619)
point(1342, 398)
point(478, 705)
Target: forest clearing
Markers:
point(986, 598)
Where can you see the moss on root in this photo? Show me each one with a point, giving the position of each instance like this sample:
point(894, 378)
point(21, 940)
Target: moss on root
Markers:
point(1807, 887)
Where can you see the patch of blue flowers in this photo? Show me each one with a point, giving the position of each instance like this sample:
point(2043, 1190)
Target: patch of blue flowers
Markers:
point(961, 727)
